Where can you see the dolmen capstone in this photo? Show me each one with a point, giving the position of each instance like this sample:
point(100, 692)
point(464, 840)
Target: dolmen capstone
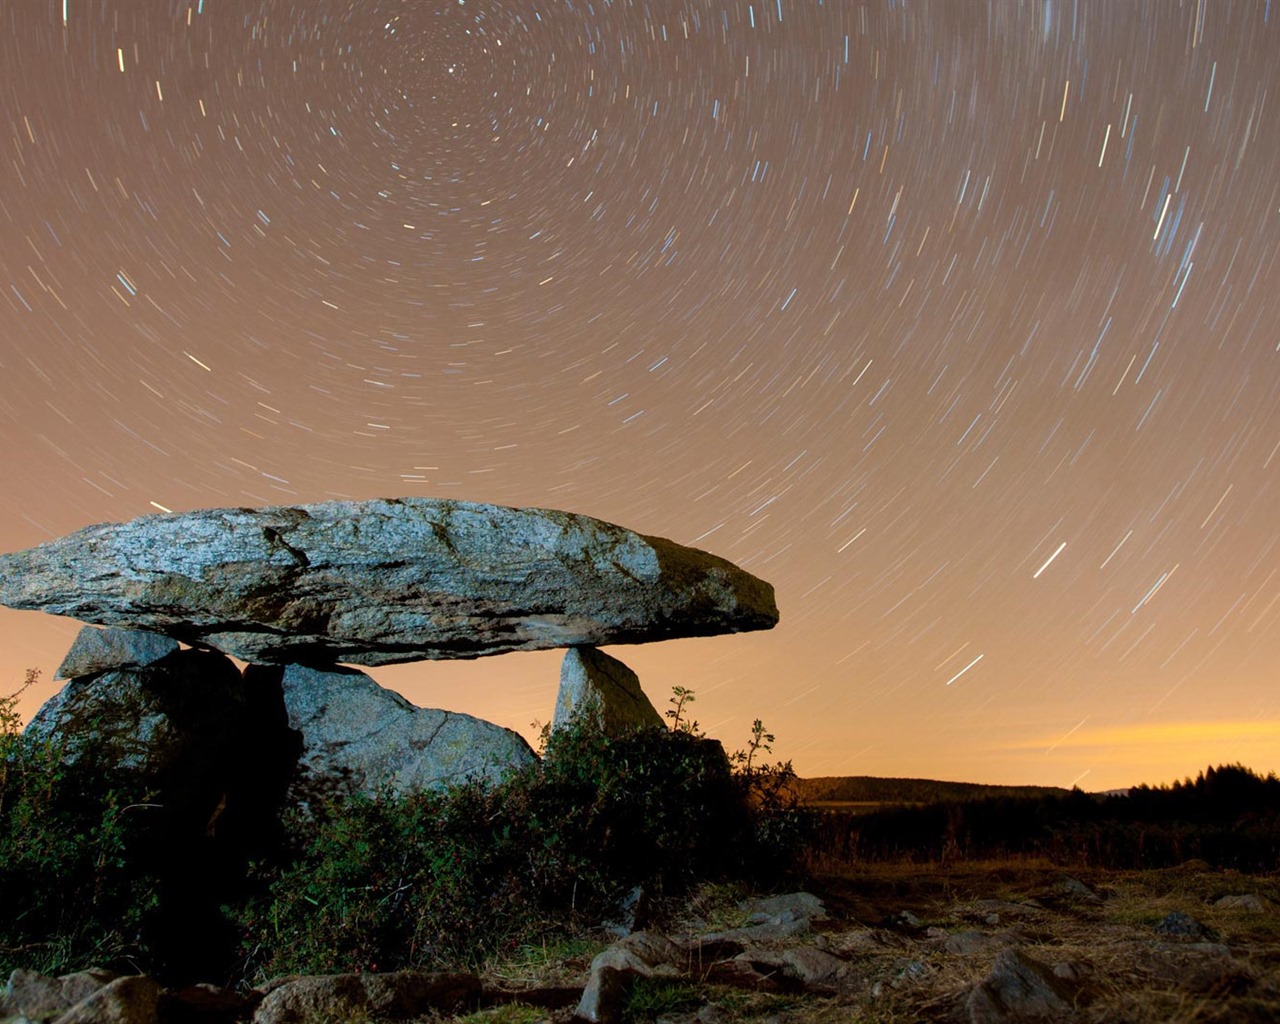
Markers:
point(299, 591)
point(385, 581)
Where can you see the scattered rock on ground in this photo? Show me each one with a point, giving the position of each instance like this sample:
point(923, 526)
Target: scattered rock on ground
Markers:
point(857, 940)
point(134, 999)
point(1179, 925)
point(396, 995)
point(631, 915)
point(775, 917)
point(1019, 987)
point(1075, 887)
point(906, 919)
point(385, 581)
point(1250, 902)
point(969, 941)
point(204, 1002)
point(805, 967)
point(97, 650)
point(1084, 951)
point(741, 972)
point(992, 911)
point(34, 995)
point(602, 693)
point(639, 955)
point(790, 905)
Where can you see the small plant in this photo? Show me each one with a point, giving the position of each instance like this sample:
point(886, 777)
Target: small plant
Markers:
point(681, 697)
point(543, 731)
point(760, 740)
point(781, 827)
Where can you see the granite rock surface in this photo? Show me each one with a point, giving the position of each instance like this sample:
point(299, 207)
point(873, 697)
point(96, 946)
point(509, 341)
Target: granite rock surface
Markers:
point(385, 581)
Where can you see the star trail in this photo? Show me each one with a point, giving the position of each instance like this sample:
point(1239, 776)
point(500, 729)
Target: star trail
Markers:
point(958, 322)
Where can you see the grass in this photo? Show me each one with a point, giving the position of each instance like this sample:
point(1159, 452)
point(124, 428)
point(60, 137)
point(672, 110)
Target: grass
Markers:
point(562, 961)
point(715, 907)
point(651, 998)
point(507, 1013)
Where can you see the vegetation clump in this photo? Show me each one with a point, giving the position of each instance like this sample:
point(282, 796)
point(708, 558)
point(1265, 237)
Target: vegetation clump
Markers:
point(451, 878)
point(92, 874)
point(73, 887)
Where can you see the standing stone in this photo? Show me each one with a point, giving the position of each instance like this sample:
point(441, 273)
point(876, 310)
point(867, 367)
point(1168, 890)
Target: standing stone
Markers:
point(179, 725)
point(385, 581)
point(200, 762)
point(98, 650)
point(358, 737)
point(602, 693)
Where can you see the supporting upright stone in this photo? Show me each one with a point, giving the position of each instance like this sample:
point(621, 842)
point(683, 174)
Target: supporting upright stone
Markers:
point(100, 650)
point(358, 737)
point(603, 693)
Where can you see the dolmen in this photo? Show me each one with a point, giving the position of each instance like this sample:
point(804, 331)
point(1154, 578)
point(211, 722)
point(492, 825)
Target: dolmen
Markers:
point(303, 592)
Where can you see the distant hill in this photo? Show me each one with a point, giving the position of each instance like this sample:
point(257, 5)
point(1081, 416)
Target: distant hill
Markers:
point(867, 789)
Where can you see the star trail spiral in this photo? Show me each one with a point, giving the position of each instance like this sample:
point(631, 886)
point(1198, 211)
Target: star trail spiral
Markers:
point(958, 322)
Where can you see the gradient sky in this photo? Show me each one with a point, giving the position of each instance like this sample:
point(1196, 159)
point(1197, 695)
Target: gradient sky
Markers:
point(957, 322)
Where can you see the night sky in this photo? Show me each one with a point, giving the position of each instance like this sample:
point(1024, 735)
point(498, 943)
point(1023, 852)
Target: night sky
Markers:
point(957, 322)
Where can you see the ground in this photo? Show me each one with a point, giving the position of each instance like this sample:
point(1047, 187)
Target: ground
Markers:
point(914, 941)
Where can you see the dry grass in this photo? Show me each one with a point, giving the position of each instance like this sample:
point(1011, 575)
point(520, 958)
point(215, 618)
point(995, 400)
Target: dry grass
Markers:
point(563, 962)
point(899, 972)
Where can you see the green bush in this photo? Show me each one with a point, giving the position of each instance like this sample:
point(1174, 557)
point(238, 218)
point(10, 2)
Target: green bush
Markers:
point(447, 879)
point(70, 891)
point(95, 871)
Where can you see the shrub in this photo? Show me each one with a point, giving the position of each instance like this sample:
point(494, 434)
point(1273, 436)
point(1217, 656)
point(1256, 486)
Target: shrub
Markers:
point(96, 870)
point(70, 890)
point(447, 879)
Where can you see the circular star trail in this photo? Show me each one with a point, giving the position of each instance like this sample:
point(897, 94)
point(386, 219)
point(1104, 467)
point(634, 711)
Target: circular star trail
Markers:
point(957, 322)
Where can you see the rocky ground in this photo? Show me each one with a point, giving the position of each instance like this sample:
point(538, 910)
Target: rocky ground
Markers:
point(981, 943)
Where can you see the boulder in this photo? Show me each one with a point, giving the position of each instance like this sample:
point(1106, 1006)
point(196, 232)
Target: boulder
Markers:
point(33, 995)
point(1019, 987)
point(385, 581)
point(99, 650)
point(358, 737)
point(177, 725)
point(602, 693)
point(134, 999)
point(639, 955)
point(1250, 902)
point(1179, 925)
point(794, 968)
point(200, 762)
point(396, 995)
point(773, 918)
